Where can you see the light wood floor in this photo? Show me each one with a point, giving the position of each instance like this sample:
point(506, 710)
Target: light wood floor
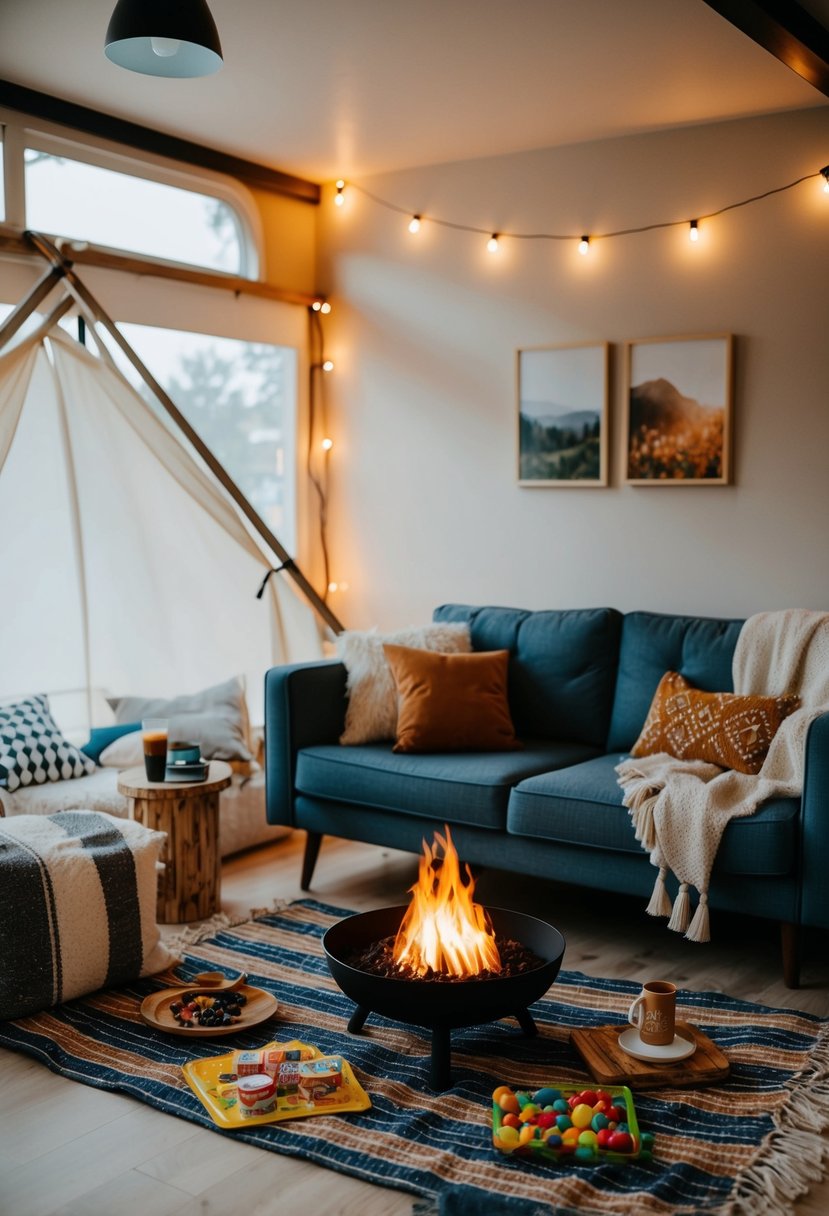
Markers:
point(70, 1150)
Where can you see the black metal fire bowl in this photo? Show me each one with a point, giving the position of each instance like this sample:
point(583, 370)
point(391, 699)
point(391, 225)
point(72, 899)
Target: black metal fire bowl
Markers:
point(442, 1006)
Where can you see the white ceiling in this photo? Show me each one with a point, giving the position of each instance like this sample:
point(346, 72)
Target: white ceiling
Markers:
point(329, 88)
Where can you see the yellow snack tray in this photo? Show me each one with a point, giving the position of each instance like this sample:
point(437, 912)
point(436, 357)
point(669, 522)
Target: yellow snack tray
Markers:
point(203, 1078)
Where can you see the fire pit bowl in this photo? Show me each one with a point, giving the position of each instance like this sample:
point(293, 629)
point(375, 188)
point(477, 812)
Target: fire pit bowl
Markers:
point(438, 1004)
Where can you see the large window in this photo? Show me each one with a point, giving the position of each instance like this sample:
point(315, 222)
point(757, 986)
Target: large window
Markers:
point(71, 198)
point(240, 398)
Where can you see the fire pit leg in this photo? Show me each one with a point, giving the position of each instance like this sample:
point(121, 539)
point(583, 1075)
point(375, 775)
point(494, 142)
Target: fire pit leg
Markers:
point(358, 1019)
point(526, 1022)
point(440, 1074)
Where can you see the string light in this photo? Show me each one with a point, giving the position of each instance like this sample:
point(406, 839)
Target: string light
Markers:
point(414, 224)
point(325, 308)
point(584, 241)
point(333, 586)
point(328, 365)
point(327, 444)
point(339, 197)
point(693, 231)
point(317, 305)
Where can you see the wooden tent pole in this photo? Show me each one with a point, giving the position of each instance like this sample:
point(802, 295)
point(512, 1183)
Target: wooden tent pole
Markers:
point(19, 315)
point(62, 267)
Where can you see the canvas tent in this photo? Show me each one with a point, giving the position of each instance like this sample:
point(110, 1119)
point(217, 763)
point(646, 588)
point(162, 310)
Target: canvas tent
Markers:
point(128, 568)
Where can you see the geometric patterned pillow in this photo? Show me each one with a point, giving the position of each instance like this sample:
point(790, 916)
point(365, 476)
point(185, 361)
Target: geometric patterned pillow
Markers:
point(32, 749)
point(719, 727)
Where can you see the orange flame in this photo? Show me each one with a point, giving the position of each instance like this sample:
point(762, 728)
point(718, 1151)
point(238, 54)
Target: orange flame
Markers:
point(444, 930)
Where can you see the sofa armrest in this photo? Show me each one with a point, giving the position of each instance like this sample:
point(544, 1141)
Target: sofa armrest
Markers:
point(304, 704)
point(815, 829)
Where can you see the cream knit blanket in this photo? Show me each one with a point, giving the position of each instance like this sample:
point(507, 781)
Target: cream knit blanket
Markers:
point(680, 809)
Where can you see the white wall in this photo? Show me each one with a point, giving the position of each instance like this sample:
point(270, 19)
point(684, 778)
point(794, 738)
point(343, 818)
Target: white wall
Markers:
point(425, 506)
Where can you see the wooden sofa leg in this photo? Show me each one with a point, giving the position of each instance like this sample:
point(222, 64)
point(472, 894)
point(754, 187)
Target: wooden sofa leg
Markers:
point(791, 943)
point(309, 860)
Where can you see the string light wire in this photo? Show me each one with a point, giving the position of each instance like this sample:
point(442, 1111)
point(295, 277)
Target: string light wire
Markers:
point(577, 236)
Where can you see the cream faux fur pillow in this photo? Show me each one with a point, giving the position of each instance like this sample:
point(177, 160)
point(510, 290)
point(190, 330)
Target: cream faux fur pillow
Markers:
point(371, 715)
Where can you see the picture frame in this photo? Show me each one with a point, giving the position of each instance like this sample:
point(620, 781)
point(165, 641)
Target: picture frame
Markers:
point(679, 401)
point(563, 411)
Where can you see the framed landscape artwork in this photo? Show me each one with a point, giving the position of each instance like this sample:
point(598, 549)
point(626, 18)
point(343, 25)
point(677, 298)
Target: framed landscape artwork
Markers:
point(679, 411)
point(562, 415)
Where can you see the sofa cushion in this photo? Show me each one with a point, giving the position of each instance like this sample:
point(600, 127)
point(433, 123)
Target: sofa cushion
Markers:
point(562, 666)
point(583, 805)
point(699, 648)
point(451, 702)
point(468, 787)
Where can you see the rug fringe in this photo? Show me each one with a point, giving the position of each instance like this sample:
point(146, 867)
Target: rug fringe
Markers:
point(794, 1155)
point(191, 935)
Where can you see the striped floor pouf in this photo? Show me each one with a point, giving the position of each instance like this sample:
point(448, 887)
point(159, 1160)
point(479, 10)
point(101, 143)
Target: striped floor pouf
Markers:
point(77, 907)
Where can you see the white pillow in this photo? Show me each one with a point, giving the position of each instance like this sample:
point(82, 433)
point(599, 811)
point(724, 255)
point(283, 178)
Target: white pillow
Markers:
point(371, 714)
point(124, 752)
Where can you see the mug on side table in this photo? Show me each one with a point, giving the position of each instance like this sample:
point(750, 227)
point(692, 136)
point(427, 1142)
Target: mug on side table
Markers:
point(653, 1013)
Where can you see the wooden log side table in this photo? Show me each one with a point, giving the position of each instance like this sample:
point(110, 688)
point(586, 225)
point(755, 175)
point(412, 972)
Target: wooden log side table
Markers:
point(188, 811)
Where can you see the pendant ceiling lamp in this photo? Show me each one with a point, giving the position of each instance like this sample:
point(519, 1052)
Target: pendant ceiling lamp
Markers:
point(164, 38)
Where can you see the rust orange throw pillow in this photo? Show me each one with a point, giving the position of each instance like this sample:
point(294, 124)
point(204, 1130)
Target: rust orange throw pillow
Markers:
point(719, 727)
point(451, 702)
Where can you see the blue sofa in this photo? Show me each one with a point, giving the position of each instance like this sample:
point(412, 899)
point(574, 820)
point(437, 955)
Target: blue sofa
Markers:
point(580, 686)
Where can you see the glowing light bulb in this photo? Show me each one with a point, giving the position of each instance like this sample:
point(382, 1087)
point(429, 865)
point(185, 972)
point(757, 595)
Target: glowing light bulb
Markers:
point(328, 366)
point(325, 308)
point(339, 197)
point(333, 586)
point(165, 47)
point(327, 444)
point(414, 224)
point(492, 243)
point(693, 231)
point(317, 305)
point(584, 246)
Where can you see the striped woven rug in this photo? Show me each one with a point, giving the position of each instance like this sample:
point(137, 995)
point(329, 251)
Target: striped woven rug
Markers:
point(751, 1144)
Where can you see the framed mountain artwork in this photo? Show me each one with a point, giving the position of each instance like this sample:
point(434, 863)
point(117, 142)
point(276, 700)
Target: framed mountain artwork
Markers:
point(679, 397)
point(563, 415)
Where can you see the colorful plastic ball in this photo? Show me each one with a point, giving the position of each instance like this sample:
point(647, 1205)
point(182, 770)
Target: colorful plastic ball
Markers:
point(622, 1127)
point(523, 1098)
point(529, 1111)
point(603, 1137)
point(545, 1119)
point(599, 1121)
point(574, 1100)
point(546, 1096)
point(552, 1139)
point(584, 1153)
point(616, 1113)
point(620, 1142)
point(603, 1096)
point(507, 1136)
point(619, 1100)
point(509, 1103)
point(590, 1139)
point(582, 1114)
point(562, 1106)
point(589, 1097)
point(563, 1122)
point(528, 1132)
point(498, 1093)
point(647, 1140)
point(570, 1136)
point(510, 1121)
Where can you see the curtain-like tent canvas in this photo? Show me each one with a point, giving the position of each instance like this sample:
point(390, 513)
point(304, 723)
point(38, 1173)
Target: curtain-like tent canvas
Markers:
point(127, 567)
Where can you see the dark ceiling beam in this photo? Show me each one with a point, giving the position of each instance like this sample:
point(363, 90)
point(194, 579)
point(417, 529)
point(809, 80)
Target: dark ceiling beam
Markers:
point(105, 126)
point(787, 30)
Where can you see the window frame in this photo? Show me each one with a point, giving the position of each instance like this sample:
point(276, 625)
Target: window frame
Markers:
point(20, 134)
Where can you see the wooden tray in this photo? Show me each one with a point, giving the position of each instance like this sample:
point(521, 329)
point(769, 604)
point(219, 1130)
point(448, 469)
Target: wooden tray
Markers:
point(155, 1011)
point(608, 1064)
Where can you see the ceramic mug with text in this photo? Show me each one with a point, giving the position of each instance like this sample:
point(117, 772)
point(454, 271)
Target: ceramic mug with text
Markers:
point(653, 1013)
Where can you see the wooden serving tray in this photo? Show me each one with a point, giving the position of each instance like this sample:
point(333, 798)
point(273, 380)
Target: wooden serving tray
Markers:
point(155, 1011)
point(608, 1064)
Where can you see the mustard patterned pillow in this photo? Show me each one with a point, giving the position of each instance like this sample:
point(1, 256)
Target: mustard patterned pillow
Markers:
point(719, 727)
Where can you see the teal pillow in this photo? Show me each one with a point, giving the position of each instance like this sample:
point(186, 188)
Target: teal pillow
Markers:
point(100, 738)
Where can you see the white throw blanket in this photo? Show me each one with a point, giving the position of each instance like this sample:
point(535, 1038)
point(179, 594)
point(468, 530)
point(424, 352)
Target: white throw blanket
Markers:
point(680, 809)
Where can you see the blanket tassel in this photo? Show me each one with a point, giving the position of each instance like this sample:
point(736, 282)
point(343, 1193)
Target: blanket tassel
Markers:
point(660, 904)
point(699, 929)
point(682, 910)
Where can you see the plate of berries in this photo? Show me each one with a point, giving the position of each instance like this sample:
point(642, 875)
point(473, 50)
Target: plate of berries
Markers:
point(202, 1013)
